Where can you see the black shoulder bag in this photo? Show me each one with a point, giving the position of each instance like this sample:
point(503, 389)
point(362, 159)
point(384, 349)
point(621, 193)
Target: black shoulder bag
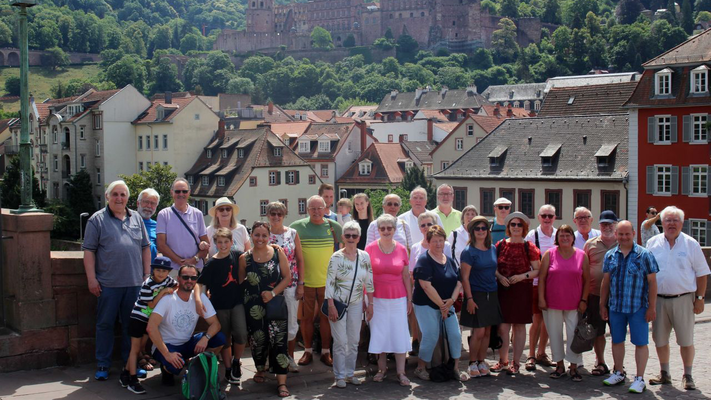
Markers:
point(341, 307)
point(276, 309)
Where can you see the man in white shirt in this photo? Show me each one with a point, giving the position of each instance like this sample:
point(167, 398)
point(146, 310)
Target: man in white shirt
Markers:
point(583, 220)
point(542, 237)
point(418, 202)
point(391, 205)
point(681, 284)
point(172, 323)
point(649, 228)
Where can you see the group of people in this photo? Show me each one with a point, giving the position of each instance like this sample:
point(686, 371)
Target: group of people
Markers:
point(411, 278)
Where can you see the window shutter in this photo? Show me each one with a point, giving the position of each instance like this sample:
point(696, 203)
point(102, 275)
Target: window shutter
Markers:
point(296, 176)
point(278, 177)
point(685, 180)
point(686, 228)
point(708, 232)
point(650, 179)
point(651, 129)
point(675, 180)
point(674, 133)
point(708, 180)
point(686, 135)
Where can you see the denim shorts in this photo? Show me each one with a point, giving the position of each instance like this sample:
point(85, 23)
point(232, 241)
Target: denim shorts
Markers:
point(639, 327)
point(187, 350)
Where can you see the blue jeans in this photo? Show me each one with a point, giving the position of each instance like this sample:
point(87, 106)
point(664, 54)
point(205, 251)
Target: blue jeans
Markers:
point(187, 350)
point(113, 302)
point(430, 320)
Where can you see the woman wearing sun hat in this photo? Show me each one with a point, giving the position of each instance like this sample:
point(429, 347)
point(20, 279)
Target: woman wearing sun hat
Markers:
point(224, 215)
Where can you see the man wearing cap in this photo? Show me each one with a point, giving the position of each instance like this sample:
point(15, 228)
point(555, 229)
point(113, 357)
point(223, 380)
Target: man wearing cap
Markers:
point(596, 248)
point(418, 202)
point(180, 229)
point(146, 205)
point(502, 209)
point(451, 218)
point(681, 281)
point(583, 220)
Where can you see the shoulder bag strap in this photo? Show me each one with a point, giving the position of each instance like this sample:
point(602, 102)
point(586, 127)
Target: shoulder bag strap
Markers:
point(355, 274)
point(454, 243)
point(186, 226)
point(538, 243)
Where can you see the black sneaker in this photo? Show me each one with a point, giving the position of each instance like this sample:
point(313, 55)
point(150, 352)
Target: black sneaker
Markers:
point(235, 373)
point(136, 387)
point(415, 348)
point(124, 378)
point(167, 379)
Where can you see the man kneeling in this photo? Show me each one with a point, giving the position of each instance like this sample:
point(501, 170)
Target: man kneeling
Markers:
point(172, 323)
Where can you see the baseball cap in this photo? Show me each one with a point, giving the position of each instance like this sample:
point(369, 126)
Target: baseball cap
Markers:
point(161, 262)
point(608, 216)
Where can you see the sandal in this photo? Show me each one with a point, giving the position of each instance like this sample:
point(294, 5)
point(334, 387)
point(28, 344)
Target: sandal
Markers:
point(499, 366)
point(259, 379)
point(558, 373)
point(283, 392)
point(402, 378)
point(600, 370)
point(513, 369)
point(380, 376)
point(544, 360)
point(531, 364)
point(575, 375)
point(145, 365)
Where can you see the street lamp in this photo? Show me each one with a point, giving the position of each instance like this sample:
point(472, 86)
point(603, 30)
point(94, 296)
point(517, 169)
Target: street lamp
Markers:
point(26, 202)
point(81, 225)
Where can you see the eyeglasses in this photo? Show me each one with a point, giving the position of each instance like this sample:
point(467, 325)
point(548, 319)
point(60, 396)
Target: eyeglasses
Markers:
point(389, 204)
point(583, 218)
point(546, 216)
point(189, 277)
point(672, 221)
point(653, 213)
point(516, 225)
point(276, 214)
point(426, 225)
point(351, 235)
point(385, 228)
point(179, 191)
point(481, 228)
point(316, 208)
point(224, 209)
point(503, 207)
point(445, 194)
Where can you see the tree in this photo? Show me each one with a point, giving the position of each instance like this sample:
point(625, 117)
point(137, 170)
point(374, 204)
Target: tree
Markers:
point(5, 35)
point(164, 76)
point(389, 34)
point(377, 196)
point(503, 41)
point(11, 191)
point(350, 41)
point(321, 38)
point(129, 69)
point(551, 12)
point(190, 42)
point(383, 44)
point(687, 17)
point(159, 177)
point(702, 5)
point(414, 177)
point(407, 48)
point(80, 191)
point(490, 7)
point(240, 86)
point(509, 8)
point(54, 57)
point(12, 85)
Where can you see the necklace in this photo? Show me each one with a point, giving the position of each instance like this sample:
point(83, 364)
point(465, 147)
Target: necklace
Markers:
point(259, 258)
point(380, 246)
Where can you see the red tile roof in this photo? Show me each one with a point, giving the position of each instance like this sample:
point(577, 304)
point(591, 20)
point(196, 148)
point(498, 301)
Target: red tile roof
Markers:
point(385, 168)
point(587, 100)
point(517, 111)
point(643, 95)
point(171, 110)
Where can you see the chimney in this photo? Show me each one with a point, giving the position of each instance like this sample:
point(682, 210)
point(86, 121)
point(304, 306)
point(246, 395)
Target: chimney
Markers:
point(221, 129)
point(471, 90)
point(270, 108)
point(168, 97)
point(443, 91)
point(430, 128)
point(418, 94)
point(393, 94)
point(497, 111)
point(363, 135)
point(509, 113)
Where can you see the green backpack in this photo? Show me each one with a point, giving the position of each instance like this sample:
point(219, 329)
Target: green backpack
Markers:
point(201, 380)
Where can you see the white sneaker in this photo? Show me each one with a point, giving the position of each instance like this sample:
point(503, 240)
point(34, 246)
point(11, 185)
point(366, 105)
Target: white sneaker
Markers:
point(341, 383)
point(353, 380)
point(615, 378)
point(484, 369)
point(474, 370)
point(638, 385)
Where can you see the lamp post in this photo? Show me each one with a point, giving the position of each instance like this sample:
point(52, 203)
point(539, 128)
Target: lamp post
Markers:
point(26, 202)
point(81, 224)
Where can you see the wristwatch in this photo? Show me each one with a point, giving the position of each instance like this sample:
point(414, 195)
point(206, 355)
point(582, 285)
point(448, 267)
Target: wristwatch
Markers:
point(273, 294)
point(700, 297)
point(207, 335)
point(197, 259)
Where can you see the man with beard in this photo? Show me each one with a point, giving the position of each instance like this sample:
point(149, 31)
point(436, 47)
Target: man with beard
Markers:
point(596, 248)
point(146, 205)
point(172, 323)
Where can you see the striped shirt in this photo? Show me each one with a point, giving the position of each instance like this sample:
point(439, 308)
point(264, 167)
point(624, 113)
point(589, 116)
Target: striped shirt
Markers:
point(149, 291)
point(317, 242)
point(629, 289)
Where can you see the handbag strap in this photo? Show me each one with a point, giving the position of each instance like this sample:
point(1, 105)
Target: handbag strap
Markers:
point(186, 226)
point(355, 274)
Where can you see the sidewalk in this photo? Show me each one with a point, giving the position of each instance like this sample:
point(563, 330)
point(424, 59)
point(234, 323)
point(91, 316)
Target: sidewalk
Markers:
point(315, 380)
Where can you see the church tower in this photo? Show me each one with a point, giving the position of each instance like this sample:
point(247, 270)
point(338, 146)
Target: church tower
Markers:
point(260, 16)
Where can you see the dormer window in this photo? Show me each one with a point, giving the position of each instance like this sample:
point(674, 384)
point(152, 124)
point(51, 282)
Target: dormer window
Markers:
point(365, 167)
point(699, 80)
point(605, 154)
point(548, 154)
point(220, 181)
point(224, 153)
point(277, 152)
point(409, 164)
point(496, 155)
point(240, 153)
point(304, 146)
point(324, 146)
point(662, 82)
point(160, 113)
point(190, 180)
point(208, 153)
point(205, 180)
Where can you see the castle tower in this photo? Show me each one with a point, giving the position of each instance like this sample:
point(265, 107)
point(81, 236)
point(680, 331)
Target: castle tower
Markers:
point(260, 16)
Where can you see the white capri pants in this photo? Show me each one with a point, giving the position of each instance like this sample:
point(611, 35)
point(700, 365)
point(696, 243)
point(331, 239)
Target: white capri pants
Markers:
point(555, 319)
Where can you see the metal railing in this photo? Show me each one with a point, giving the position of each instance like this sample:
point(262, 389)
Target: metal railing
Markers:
point(65, 146)
point(12, 149)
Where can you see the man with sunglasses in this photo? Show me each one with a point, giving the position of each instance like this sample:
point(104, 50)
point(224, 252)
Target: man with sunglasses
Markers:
point(649, 227)
point(583, 220)
point(172, 323)
point(502, 209)
point(418, 202)
point(180, 229)
point(403, 233)
point(451, 218)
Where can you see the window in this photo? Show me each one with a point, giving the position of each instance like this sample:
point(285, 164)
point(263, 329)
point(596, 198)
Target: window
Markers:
point(663, 82)
point(487, 201)
point(302, 206)
point(165, 163)
point(140, 166)
point(190, 180)
point(291, 177)
point(445, 164)
point(263, 207)
point(459, 144)
point(208, 153)
point(98, 176)
point(304, 146)
point(610, 200)
point(205, 180)
point(364, 168)
point(56, 163)
point(349, 148)
point(509, 194)
point(700, 133)
point(140, 142)
point(526, 202)
point(224, 153)
point(663, 179)
point(148, 165)
point(663, 129)
point(197, 117)
point(81, 133)
point(97, 121)
point(324, 170)
point(54, 134)
point(699, 180)
point(274, 178)
point(698, 230)
point(554, 197)
point(390, 138)
point(148, 142)
point(240, 153)
point(324, 146)
point(98, 148)
point(277, 152)
point(460, 197)
point(220, 181)
point(155, 142)
point(252, 181)
point(82, 161)
point(312, 179)
point(699, 80)
point(285, 202)
point(470, 130)
point(160, 113)
point(165, 142)
point(582, 198)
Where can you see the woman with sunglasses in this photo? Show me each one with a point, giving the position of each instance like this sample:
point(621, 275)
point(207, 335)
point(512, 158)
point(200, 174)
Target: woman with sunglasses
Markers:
point(224, 215)
point(288, 239)
point(518, 262)
point(349, 275)
point(363, 215)
point(459, 238)
point(564, 266)
point(392, 299)
point(265, 273)
point(481, 308)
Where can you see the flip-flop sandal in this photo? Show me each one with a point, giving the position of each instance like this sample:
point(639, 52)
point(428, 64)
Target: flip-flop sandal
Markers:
point(531, 364)
point(145, 365)
point(600, 370)
point(575, 375)
point(283, 392)
point(558, 373)
point(402, 378)
point(380, 376)
point(259, 379)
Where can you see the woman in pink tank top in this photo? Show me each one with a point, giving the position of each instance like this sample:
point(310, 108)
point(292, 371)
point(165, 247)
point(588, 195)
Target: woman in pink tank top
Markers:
point(563, 286)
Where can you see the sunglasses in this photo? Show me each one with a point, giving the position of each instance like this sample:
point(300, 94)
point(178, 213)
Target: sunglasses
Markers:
point(188, 277)
point(385, 228)
point(426, 225)
point(503, 207)
point(276, 214)
point(516, 225)
point(224, 209)
point(180, 191)
point(351, 235)
point(481, 228)
point(389, 204)
point(547, 216)
point(653, 213)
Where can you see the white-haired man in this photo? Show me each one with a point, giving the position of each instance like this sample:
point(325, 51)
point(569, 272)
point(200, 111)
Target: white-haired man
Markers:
point(146, 205)
point(583, 220)
point(403, 232)
point(451, 218)
point(418, 204)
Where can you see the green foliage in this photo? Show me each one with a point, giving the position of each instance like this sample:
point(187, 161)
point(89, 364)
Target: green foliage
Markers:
point(158, 177)
point(551, 12)
point(703, 16)
point(628, 11)
point(163, 76)
point(407, 48)
point(384, 44)
point(11, 190)
point(350, 41)
point(490, 7)
point(128, 70)
point(415, 177)
point(12, 85)
point(80, 197)
point(509, 8)
point(702, 5)
point(687, 17)
point(321, 38)
point(55, 58)
point(503, 41)
point(5, 35)
point(377, 196)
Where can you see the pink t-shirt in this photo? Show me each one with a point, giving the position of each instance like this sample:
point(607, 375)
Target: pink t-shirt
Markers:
point(387, 271)
point(564, 282)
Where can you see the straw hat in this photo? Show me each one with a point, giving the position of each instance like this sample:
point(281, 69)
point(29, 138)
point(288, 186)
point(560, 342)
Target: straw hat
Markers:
point(518, 215)
point(221, 202)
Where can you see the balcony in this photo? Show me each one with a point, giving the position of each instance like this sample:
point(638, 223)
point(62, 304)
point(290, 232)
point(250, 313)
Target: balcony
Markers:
point(65, 146)
point(12, 149)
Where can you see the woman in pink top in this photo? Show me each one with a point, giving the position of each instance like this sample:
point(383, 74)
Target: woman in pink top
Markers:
point(391, 301)
point(563, 286)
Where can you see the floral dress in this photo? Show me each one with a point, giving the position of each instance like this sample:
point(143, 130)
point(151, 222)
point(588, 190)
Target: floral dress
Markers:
point(516, 300)
point(267, 339)
point(287, 241)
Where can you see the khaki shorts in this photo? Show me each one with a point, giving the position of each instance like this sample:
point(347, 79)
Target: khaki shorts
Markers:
point(676, 313)
point(233, 324)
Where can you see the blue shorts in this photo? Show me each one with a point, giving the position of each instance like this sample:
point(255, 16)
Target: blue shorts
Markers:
point(187, 350)
point(639, 327)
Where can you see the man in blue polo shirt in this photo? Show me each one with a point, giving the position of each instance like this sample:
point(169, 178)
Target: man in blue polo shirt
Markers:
point(146, 205)
point(630, 284)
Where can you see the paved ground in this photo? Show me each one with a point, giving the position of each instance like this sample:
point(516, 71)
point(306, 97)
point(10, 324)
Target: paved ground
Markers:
point(315, 381)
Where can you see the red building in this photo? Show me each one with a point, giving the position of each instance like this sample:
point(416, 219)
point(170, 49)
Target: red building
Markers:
point(669, 138)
